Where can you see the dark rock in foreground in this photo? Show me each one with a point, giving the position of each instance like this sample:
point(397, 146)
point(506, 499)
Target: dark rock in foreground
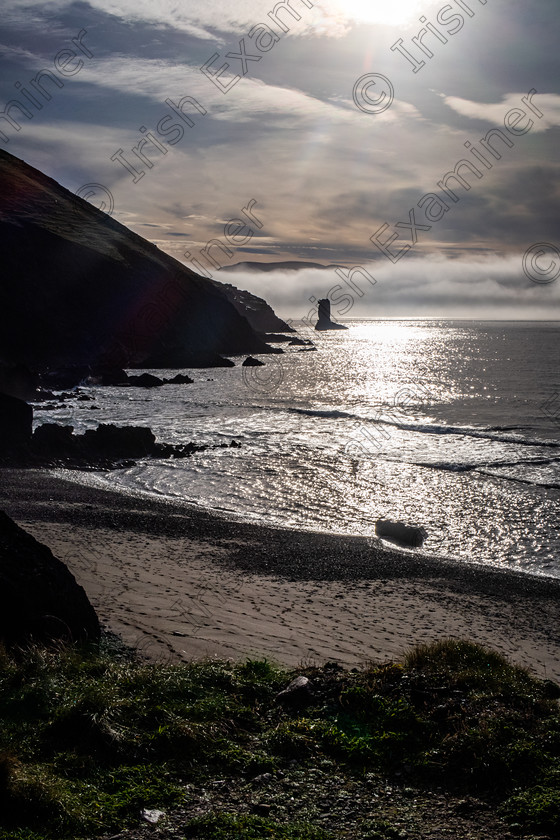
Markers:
point(16, 421)
point(18, 381)
point(50, 437)
point(39, 597)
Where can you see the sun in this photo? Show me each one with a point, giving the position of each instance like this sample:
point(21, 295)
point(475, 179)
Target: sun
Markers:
point(388, 12)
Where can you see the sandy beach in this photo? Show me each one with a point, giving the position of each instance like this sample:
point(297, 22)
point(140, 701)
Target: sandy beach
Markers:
point(181, 584)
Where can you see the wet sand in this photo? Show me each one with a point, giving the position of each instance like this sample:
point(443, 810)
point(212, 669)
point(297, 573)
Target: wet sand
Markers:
point(180, 583)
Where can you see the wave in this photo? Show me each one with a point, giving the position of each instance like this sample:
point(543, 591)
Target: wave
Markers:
point(468, 431)
point(489, 433)
point(493, 470)
point(329, 414)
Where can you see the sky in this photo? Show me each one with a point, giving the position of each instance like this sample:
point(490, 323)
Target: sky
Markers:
point(414, 143)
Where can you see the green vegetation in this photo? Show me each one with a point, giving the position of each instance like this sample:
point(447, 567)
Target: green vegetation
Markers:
point(236, 827)
point(89, 738)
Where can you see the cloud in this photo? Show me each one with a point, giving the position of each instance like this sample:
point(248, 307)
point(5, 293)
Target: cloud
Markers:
point(485, 287)
point(325, 175)
point(250, 99)
point(203, 20)
point(547, 104)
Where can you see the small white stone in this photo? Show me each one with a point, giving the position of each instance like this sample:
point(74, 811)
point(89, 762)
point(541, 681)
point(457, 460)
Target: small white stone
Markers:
point(152, 817)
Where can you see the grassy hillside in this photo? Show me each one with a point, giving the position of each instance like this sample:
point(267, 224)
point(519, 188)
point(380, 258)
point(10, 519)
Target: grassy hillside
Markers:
point(453, 738)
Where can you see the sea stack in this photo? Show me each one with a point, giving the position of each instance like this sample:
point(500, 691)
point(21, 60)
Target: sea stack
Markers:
point(324, 313)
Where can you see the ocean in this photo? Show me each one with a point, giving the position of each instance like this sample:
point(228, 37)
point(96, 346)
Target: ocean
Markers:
point(449, 425)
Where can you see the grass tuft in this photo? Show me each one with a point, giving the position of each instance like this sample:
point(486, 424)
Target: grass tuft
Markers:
point(247, 827)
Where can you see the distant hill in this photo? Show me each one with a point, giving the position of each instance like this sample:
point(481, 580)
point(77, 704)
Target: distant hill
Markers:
point(78, 287)
point(288, 265)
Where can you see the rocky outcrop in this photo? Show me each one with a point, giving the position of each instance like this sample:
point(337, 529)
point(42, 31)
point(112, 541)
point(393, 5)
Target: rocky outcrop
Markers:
point(16, 422)
point(18, 381)
point(251, 362)
point(180, 379)
point(148, 380)
point(174, 359)
point(39, 597)
point(70, 378)
point(104, 448)
point(145, 380)
point(53, 438)
point(64, 376)
point(107, 376)
point(108, 441)
point(260, 315)
point(300, 342)
point(78, 288)
point(324, 315)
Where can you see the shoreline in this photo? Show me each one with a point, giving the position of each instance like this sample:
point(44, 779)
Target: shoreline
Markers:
point(182, 583)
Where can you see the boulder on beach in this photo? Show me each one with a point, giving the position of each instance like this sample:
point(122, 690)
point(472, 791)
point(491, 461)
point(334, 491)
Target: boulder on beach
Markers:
point(52, 438)
point(16, 424)
point(40, 599)
point(406, 535)
point(117, 441)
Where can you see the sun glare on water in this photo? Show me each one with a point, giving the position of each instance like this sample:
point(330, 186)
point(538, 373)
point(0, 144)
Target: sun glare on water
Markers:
point(388, 12)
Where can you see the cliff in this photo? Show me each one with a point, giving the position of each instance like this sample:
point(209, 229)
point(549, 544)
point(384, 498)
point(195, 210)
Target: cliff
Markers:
point(260, 315)
point(80, 288)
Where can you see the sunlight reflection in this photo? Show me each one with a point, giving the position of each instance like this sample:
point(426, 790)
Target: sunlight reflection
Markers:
point(394, 13)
